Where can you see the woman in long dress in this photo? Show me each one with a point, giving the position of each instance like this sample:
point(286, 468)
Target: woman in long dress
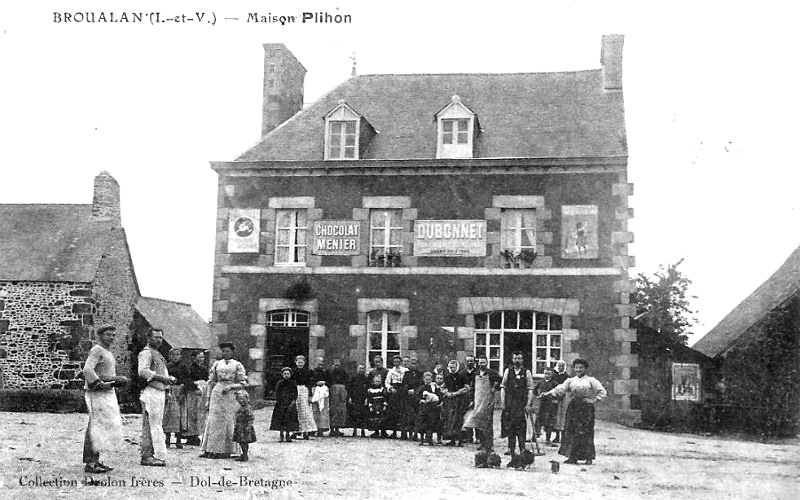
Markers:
point(225, 378)
point(577, 443)
point(305, 416)
point(195, 402)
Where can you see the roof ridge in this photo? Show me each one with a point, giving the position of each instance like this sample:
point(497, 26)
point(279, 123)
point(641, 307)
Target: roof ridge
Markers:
point(165, 300)
point(45, 204)
point(483, 73)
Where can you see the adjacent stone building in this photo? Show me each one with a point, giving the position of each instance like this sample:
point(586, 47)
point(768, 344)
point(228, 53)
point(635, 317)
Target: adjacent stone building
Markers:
point(434, 215)
point(63, 270)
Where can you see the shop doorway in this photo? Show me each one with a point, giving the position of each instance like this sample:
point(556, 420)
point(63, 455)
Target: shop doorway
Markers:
point(287, 338)
point(518, 341)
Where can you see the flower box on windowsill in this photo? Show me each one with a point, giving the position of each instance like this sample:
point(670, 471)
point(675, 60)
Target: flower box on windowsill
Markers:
point(385, 260)
point(518, 260)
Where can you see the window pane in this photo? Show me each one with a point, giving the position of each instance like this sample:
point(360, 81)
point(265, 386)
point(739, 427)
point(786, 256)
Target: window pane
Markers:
point(282, 254)
point(283, 236)
point(300, 254)
point(541, 340)
point(555, 354)
point(375, 340)
point(394, 322)
point(300, 236)
point(350, 128)
point(480, 321)
point(541, 321)
point(392, 342)
point(447, 125)
point(540, 366)
point(494, 320)
point(494, 339)
point(555, 322)
point(349, 140)
point(541, 354)
point(463, 125)
point(526, 320)
point(480, 339)
point(349, 152)
point(284, 219)
point(334, 152)
point(377, 217)
point(555, 341)
point(301, 216)
point(510, 320)
point(374, 322)
point(395, 237)
point(494, 352)
point(528, 238)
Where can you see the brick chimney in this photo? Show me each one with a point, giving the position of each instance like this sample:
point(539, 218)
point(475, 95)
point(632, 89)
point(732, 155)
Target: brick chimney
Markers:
point(283, 86)
point(611, 59)
point(105, 205)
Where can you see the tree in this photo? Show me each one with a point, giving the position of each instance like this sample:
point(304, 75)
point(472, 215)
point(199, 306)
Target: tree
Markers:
point(662, 302)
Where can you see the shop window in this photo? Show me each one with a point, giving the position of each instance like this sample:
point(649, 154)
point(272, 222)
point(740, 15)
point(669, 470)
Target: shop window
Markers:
point(383, 335)
point(290, 238)
point(538, 335)
point(386, 237)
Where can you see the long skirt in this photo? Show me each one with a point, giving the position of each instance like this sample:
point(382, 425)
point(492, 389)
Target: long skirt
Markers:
point(105, 421)
point(322, 414)
point(561, 413)
point(395, 410)
point(427, 418)
point(338, 400)
point(453, 411)
point(218, 436)
point(578, 439)
point(174, 409)
point(194, 404)
point(305, 417)
point(284, 417)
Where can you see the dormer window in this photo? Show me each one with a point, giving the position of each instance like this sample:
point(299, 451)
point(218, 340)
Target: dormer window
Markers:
point(346, 133)
point(457, 126)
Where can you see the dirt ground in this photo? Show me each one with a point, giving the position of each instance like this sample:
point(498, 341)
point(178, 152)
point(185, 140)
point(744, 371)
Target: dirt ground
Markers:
point(46, 449)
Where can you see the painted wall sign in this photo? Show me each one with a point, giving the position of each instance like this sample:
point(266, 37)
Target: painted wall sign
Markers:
point(685, 382)
point(243, 230)
point(579, 232)
point(337, 237)
point(450, 238)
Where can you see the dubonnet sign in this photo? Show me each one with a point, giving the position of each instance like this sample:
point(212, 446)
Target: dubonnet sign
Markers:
point(450, 238)
point(337, 237)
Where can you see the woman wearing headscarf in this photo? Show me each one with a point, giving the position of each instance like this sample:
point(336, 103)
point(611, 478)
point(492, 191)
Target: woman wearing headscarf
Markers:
point(305, 416)
point(225, 378)
point(578, 439)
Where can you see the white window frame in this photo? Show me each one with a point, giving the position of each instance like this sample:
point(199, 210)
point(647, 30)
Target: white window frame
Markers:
point(386, 247)
point(288, 318)
point(553, 350)
point(456, 131)
point(385, 352)
point(511, 235)
point(295, 249)
point(339, 152)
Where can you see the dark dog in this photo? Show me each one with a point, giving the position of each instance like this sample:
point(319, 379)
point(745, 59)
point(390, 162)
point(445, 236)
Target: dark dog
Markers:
point(482, 460)
point(521, 461)
point(494, 460)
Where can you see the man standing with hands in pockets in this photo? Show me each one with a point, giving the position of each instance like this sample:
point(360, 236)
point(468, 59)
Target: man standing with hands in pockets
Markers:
point(152, 368)
point(516, 399)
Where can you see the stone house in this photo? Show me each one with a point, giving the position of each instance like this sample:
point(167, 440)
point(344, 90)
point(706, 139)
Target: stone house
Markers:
point(63, 270)
point(757, 346)
point(436, 216)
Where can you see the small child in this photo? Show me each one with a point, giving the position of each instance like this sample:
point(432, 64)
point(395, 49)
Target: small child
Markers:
point(443, 391)
point(428, 395)
point(376, 403)
point(284, 416)
point(243, 431)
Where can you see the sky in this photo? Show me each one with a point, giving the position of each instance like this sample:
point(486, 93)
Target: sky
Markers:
point(710, 95)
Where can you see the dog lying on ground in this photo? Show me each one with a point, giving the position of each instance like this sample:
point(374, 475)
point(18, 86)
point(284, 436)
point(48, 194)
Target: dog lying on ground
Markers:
point(485, 459)
point(521, 461)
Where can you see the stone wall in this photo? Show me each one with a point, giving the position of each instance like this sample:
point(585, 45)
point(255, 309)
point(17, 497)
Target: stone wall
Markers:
point(45, 333)
point(116, 292)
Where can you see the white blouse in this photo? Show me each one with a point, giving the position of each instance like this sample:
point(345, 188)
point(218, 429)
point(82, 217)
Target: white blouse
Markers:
point(587, 388)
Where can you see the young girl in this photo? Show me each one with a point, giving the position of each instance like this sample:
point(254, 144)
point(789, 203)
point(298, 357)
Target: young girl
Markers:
point(284, 416)
point(243, 432)
point(376, 403)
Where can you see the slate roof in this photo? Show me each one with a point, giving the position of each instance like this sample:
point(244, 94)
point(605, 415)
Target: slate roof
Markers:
point(49, 242)
point(780, 287)
point(181, 324)
point(522, 115)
